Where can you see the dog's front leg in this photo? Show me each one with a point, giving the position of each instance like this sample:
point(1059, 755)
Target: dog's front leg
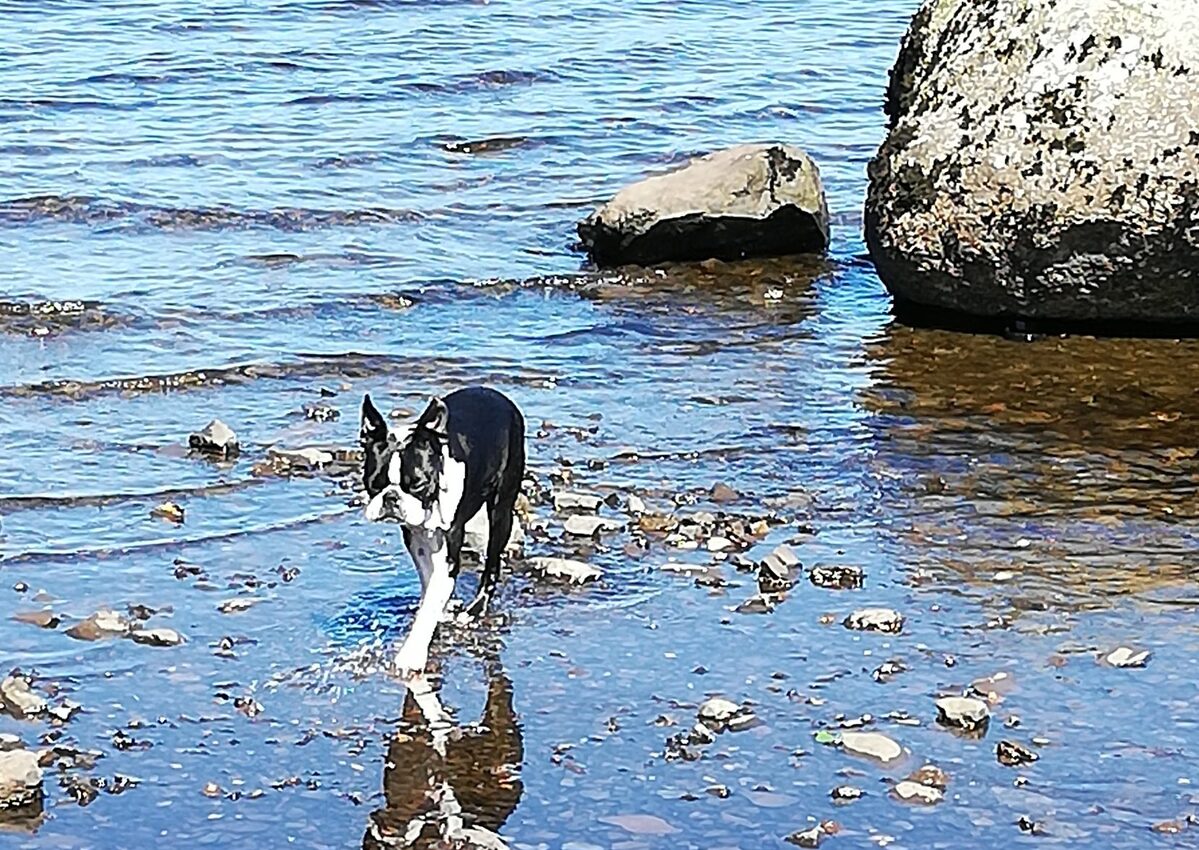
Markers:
point(414, 654)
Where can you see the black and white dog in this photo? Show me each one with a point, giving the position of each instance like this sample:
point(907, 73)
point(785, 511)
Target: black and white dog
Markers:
point(466, 451)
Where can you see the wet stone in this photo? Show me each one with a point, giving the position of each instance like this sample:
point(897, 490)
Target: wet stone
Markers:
point(846, 794)
point(156, 637)
point(20, 779)
point(41, 619)
point(873, 745)
point(635, 504)
point(589, 526)
point(571, 501)
point(564, 569)
point(760, 603)
point(965, 713)
point(19, 699)
point(814, 836)
point(720, 713)
point(914, 792)
point(723, 494)
point(888, 670)
point(1126, 657)
point(170, 511)
point(1014, 754)
point(838, 577)
point(237, 604)
point(875, 620)
point(215, 439)
point(321, 412)
point(103, 624)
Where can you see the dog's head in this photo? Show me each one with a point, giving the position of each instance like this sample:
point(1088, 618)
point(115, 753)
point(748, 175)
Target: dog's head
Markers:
point(401, 472)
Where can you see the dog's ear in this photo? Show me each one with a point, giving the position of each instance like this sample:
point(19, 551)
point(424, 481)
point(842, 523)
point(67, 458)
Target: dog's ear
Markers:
point(436, 418)
point(374, 427)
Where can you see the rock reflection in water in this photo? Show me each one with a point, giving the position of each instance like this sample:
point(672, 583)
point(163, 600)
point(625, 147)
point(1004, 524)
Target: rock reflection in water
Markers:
point(450, 783)
point(1067, 462)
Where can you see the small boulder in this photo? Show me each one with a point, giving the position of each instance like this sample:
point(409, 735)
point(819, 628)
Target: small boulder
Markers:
point(722, 494)
point(19, 699)
point(965, 713)
point(20, 779)
point(170, 511)
point(564, 569)
point(747, 201)
point(875, 620)
point(216, 439)
point(41, 619)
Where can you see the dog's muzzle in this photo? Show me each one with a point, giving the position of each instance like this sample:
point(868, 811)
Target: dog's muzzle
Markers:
point(385, 506)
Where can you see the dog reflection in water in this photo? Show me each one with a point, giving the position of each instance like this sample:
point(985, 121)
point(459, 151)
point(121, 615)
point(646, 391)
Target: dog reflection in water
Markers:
point(447, 785)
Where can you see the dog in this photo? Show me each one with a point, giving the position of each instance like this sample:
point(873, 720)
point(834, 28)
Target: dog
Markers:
point(466, 451)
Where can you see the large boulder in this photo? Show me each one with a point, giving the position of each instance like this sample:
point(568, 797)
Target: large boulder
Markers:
point(748, 201)
point(1043, 161)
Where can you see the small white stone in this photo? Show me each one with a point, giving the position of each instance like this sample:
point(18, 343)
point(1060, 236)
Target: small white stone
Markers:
point(588, 526)
point(1125, 657)
point(963, 712)
point(577, 502)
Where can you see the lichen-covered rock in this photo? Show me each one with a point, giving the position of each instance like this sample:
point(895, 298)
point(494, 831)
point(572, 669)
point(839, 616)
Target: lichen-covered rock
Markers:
point(1043, 161)
point(747, 201)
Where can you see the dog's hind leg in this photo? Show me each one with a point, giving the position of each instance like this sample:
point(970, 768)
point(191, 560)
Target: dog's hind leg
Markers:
point(499, 518)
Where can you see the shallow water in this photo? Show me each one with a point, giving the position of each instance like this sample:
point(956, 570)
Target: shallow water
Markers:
point(255, 201)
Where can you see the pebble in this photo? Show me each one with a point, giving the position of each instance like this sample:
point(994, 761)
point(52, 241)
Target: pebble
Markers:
point(887, 670)
point(964, 713)
point(156, 637)
point(237, 604)
point(65, 711)
point(1013, 754)
point(719, 544)
point(9, 741)
point(636, 505)
point(169, 511)
point(321, 412)
point(580, 525)
point(873, 745)
point(914, 792)
point(565, 569)
point(571, 501)
point(21, 587)
point(718, 714)
point(217, 438)
point(846, 794)
point(839, 577)
point(105, 623)
point(20, 779)
point(1125, 657)
point(875, 620)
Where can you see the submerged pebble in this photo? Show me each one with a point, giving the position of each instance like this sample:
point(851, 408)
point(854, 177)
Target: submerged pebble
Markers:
point(1014, 754)
point(839, 577)
point(156, 637)
point(913, 792)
